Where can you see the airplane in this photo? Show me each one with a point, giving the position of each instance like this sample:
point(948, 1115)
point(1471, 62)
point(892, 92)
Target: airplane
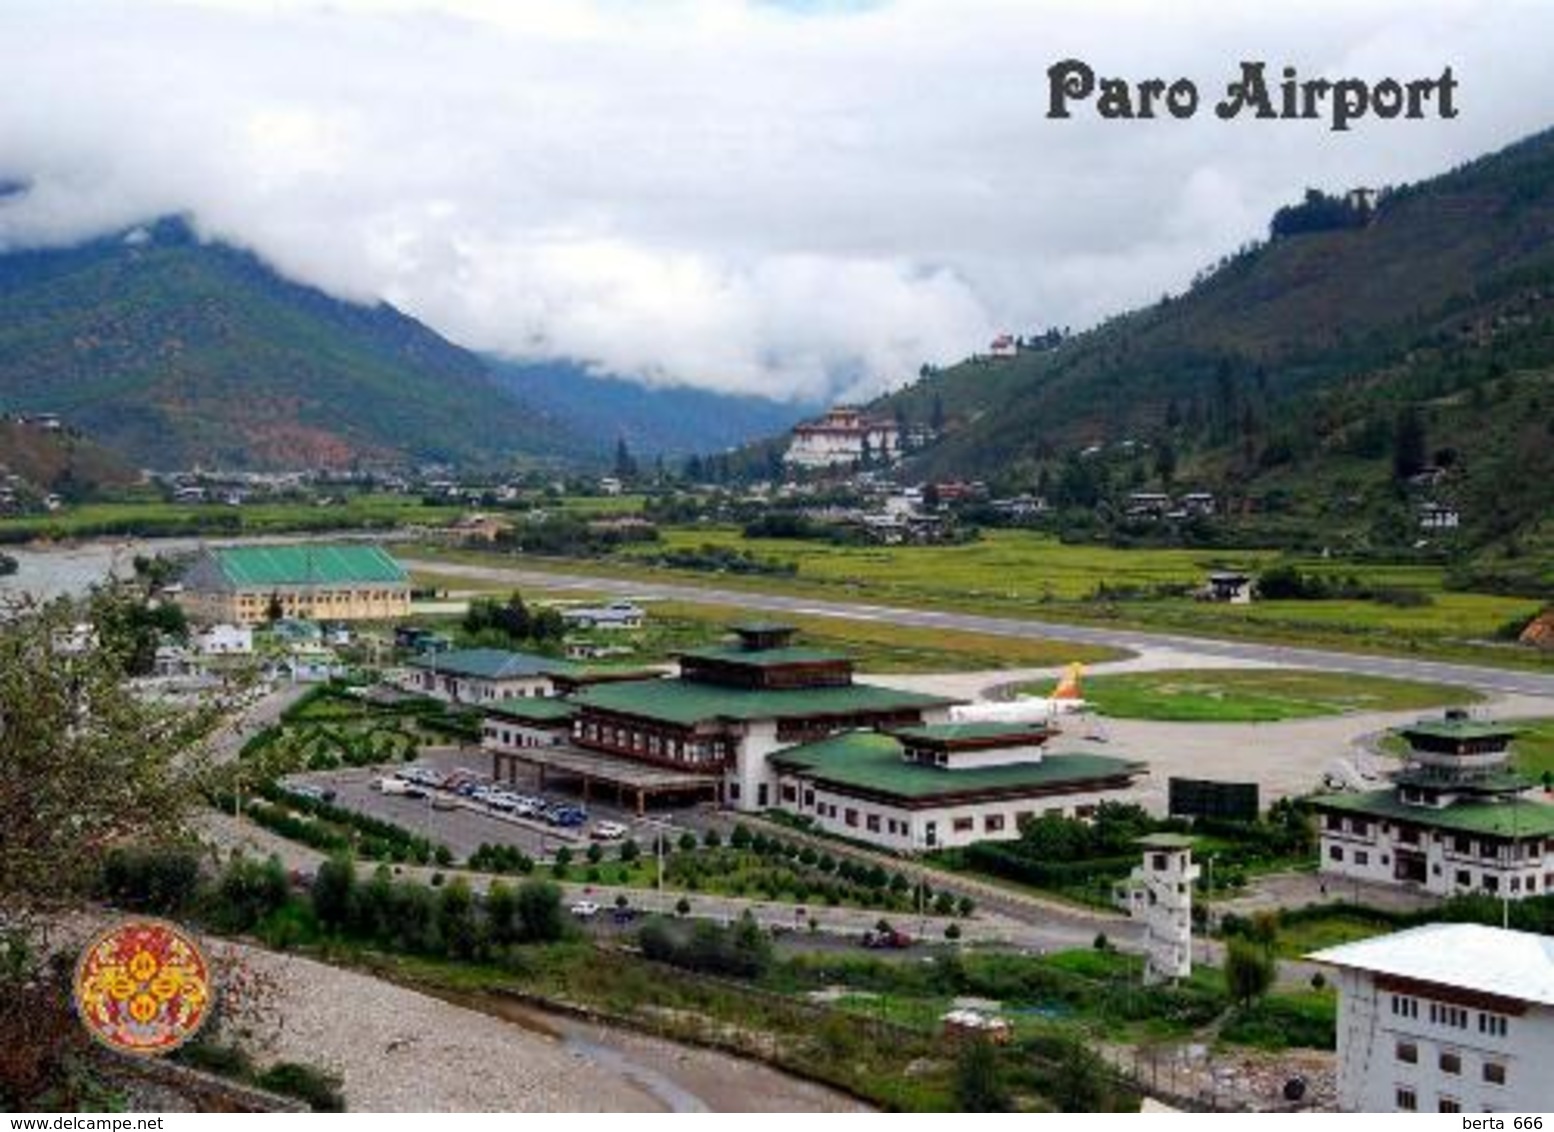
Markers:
point(1064, 700)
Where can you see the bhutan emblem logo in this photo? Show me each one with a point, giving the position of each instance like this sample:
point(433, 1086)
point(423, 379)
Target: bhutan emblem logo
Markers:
point(143, 987)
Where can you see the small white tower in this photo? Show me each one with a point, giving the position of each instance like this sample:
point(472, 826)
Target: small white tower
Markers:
point(1161, 895)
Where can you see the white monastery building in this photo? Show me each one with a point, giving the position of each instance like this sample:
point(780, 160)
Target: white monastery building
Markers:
point(844, 436)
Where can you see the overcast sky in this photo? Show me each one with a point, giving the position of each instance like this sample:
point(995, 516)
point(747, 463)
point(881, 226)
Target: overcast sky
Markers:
point(790, 199)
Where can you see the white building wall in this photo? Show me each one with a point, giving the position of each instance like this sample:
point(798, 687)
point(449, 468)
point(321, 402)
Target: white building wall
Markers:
point(907, 829)
point(1368, 851)
point(1377, 1027)
point(749, 770)
point(452, 687)
point(510, 735)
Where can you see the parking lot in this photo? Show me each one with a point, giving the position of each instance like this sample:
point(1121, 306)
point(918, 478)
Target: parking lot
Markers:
point(463, 824)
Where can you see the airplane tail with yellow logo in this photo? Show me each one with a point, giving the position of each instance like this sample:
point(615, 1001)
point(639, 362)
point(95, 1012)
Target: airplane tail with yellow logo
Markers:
point(1068, 683)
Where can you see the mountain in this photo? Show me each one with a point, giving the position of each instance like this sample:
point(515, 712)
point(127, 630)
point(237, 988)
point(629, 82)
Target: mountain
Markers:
point(1307, 377)
point(174, 352)
point(48, 460)
point(653, 420)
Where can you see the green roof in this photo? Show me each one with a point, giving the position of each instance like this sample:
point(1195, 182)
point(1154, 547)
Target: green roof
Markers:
point(689, 701)
point(1489, 782)
point(307, 564)
point(491, 664)
point(1166, 841)
point(535, 709)
point(1501, 819)
point(871, 761)
point(765, 658)
point(1458, 729)
point(937, 733)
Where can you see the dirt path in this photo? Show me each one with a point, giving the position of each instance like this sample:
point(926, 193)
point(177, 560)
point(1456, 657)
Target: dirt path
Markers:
point(398, 1050)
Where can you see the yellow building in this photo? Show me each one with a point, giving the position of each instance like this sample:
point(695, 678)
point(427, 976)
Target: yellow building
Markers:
point(322, 582)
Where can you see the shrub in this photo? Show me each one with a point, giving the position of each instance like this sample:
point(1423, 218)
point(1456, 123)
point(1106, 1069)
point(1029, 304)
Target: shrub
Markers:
point(151, 878)
point(320, 1090)
point(539, 912)
point(1249, 971)
point(334, 892)
point(247, 892)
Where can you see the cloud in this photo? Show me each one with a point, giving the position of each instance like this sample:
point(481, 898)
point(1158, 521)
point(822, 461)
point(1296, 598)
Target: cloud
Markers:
point(798, 199)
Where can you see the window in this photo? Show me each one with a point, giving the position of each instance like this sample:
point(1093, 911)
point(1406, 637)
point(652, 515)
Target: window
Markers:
point(993, 823)
point(1407, 1101)
point(963, 825)
point(871, 822)
point(1405, 1007)
point(1449, 1104)
point(1492, 1024)
point(1451, 1063)
point(1464, 879)
point(1361, 857)
point(1408, 1053)
point(850, 816)
point(1335, 823)
point(1494, 1073)
point(1336, 852)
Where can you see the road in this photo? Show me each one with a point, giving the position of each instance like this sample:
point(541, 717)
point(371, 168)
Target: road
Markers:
point(1491, 680)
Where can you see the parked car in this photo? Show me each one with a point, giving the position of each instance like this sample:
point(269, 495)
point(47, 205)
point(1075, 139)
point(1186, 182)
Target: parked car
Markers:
point(391, 785)
point(585, 909)
point(886, 939)
point(607, 831)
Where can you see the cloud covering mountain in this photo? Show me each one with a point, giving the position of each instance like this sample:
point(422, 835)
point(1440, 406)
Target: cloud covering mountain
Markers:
point(792, 200)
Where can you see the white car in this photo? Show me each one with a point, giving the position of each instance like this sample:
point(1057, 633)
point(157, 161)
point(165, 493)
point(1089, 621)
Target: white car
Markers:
point(585, 909)
point(608, 831)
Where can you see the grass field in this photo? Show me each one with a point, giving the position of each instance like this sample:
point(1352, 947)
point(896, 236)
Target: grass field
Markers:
point(157, 517)
point(150, 515)
point(1255, 695)
point(877, 646)
point(1026, 574)
point(1298, 939)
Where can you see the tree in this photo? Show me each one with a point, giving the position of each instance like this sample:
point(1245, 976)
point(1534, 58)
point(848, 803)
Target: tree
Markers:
point(1408, 444)
point(625, 463)
point(456, 922)
point(274, 611)
point(1165, 462)
point(539, 912)
point(979, 1079)
point(936, 417)
point(334, 889)
point(1249, 971)
point(1081, 1081)
point(85, 765)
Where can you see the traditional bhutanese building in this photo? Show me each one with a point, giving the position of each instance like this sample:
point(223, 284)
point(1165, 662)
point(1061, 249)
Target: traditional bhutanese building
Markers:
point(320, 581)
point(484, 676)
point(767, 724)
point(1455, 821)
point(844, 436)
point(942, 785)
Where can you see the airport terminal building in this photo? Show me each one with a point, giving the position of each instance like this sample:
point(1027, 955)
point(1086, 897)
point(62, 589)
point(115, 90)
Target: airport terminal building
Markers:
point(763, 724)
